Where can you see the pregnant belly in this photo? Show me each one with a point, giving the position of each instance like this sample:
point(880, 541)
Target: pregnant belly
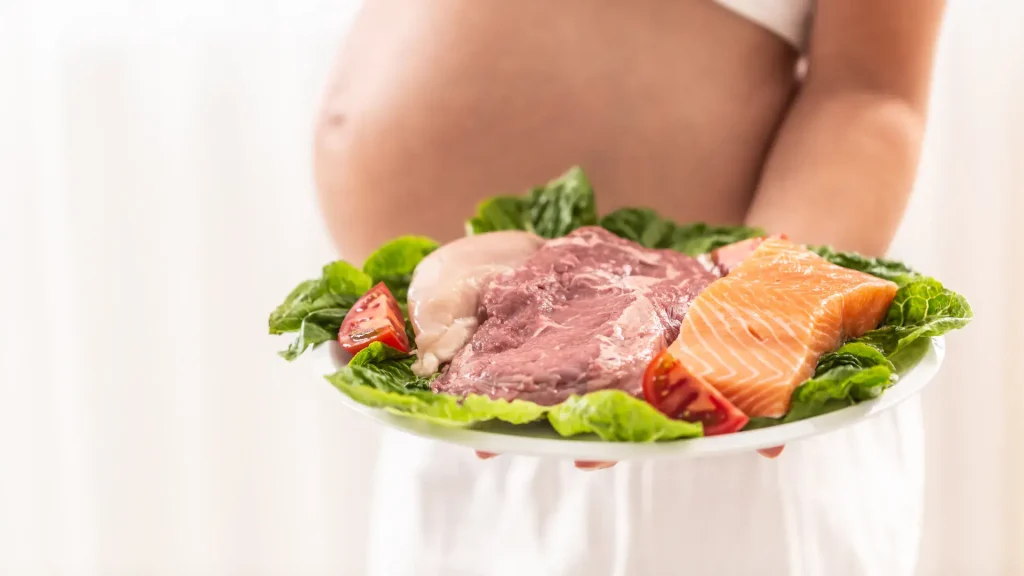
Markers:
point(436, 105)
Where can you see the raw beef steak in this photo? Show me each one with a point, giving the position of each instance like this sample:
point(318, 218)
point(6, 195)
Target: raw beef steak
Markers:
point(586, 312)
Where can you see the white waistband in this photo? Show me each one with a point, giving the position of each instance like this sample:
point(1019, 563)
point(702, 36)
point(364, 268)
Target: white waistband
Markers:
point(787, 18)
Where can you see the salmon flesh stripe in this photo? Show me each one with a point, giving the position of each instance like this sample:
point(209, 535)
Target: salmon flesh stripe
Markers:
point(757, 334)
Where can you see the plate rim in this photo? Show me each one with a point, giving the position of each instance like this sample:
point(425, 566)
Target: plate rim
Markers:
point(910, 384)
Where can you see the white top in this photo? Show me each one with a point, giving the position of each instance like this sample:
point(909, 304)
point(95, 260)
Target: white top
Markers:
point(789, 19)
point(847, 503)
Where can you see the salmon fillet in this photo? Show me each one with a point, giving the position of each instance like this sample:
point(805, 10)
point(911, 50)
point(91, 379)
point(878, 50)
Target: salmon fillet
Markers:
point(756, 334)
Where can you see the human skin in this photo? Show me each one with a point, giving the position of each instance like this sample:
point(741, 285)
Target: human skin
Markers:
point(682, 106)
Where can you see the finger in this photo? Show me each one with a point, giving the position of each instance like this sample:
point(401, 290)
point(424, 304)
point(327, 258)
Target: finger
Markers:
point(771, 452)
point(485, 455)
point(589, 465)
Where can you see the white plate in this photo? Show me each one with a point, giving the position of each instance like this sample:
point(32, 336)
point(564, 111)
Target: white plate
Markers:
point(540, 440)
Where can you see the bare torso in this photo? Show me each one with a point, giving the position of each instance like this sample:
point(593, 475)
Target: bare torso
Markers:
point(436, 105)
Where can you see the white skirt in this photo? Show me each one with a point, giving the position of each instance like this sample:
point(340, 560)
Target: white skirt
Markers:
point(845, 503)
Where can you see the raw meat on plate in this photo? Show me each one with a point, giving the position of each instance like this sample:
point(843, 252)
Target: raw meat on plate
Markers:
point(757, 334)
point(444, 296)
point(586, 312)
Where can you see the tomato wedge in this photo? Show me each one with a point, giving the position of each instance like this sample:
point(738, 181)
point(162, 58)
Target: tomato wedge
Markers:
point(680, 395)
point(375, 317)
point(728, 257)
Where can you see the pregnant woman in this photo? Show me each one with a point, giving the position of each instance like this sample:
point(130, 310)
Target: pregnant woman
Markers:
point(801, 118)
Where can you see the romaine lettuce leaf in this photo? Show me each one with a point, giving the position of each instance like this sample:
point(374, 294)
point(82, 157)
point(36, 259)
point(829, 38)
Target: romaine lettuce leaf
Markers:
point(380, 354)
point(700, 238)
point(316, 307)
point(287, 317)
point(394, 263)
point(888, 269)
point(343, 278)
point(641, 225)
point(853, 373)
point(384, 368)
point(499, 213)
point(382, 377)
point(645, 227)
point(555, 209)
point(563, 205)
point(439, 408)
point(320, 325)
point(926, 303)
point(317, 294)
point(615, 416)
point(922, 308)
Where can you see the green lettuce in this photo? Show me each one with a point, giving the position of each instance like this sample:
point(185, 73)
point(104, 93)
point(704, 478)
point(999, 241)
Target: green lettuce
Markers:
point(500, 213)
point(555, 209)
point(922, 308)
point(641, 225)
point(645, 227)
point(386, 369)
point(700, 238)
point(888, 269)
point(615, 416)
point(315, 309)
point(382, 377)
point(394, 263)
point(853, 373)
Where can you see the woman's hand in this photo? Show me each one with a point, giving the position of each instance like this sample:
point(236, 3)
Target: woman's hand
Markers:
point(590, 465)
point(586, 465)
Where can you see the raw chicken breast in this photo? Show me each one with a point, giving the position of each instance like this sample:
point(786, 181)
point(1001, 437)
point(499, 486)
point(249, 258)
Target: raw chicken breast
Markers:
point(444, 296)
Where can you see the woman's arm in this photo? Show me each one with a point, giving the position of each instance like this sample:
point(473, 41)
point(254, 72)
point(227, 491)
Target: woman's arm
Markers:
point(844, 162)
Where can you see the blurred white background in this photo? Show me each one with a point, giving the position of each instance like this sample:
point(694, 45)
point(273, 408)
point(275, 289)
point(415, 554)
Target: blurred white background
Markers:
point(156, 201)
